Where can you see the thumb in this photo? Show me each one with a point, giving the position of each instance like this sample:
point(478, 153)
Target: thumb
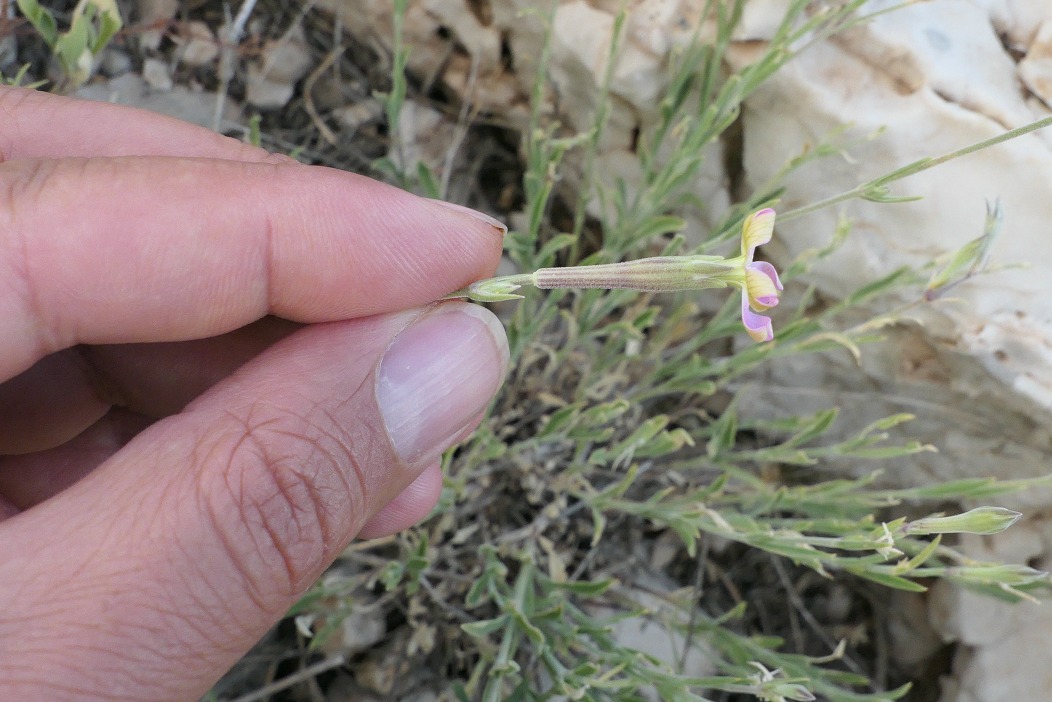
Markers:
point(151, 576)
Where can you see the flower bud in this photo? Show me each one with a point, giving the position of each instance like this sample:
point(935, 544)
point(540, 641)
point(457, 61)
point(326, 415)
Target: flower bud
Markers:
point(981, 520)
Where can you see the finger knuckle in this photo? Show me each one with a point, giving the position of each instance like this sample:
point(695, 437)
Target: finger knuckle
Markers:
point(22, 186)
point(12, 101)
point(287, 498)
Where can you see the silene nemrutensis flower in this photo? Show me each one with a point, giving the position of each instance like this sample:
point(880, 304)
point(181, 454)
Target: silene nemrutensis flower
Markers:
point(758, 280)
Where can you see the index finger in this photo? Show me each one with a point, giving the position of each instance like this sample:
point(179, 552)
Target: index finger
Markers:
point(42, 125)
point(164, 249)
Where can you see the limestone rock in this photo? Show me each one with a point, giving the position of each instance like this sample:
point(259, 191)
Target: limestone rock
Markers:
point(198, 46)
point(935, 77)
point(180, 102)
point(660, 633)
point(272, 80)
point(1002, 649)
point(155, 73)
point(154, 15)
point(977, 370)
point(115, 62)
point(471, 64)
point(425, 136)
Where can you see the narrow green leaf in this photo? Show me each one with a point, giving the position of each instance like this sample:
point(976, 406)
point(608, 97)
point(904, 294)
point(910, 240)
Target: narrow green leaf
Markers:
point(586, 588)
point(553, 246)
point(427, 181)
point(482, 628)
point(560, 420)
point(818, 425)
point(893, 581)
point(724, 433)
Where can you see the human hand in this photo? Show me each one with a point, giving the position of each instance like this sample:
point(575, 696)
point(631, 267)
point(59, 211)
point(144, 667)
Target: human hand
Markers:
point(216, 370)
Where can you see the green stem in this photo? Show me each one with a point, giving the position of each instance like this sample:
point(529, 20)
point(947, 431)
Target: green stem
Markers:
point(879, 184)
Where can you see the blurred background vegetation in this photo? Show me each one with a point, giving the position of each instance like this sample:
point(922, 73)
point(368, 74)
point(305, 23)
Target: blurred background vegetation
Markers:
point(617, 529)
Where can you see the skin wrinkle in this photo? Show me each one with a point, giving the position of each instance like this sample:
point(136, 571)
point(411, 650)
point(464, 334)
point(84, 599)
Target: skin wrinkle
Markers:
point(101, 666)
point(27, 194)
point(286, 505)
point(323, 509)
point(345, 448)
point(199, 629)
point(89, 564)
point(269, 264)
point(23, 186)
point(10, 102)
point(261, 251)
point(347, 445)
point(198, 615)
point(284, 539)
point(105, 669)
point(57, 690)
point(298, 493)
point(44, 177)
point(234, 478)
point(223, 536)
point(146, 672)
point(209, 606)
point(30, 297)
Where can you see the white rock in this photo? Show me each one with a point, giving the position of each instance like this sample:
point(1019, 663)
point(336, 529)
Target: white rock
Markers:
point(581, 37)
point(1003, 649)
point(154, 15)
point(978, 374)
point(952, 90)
point(155, 73)
point(1036, 68)
point(197, 44)
point(264, 93)
point(355, 116)
point(937, 78)
point(363, 629)
point(272, 80)
point(459, 18)
point(914, 642)
point(180, 102)
point(1012, 671)
point(115, 62)
point(658, 633)
point(424, 136)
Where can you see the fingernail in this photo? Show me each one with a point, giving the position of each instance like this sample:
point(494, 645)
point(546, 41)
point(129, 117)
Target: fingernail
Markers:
point(481, 216)
point(437, 375)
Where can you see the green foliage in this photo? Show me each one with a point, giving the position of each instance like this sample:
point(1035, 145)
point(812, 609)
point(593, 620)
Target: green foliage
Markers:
point(19, 78)
point(394, 167)
point(92, 25)
point(619, 424)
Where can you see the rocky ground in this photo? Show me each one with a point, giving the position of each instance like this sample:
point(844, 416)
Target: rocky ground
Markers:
point(305, 76)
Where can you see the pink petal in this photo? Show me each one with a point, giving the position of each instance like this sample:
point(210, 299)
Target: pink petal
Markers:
point(756, 325)
point(762, 285)
point(768, 270)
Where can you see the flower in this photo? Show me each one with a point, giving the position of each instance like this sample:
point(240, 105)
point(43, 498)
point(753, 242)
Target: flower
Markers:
point(760, 285)
point(758, 280)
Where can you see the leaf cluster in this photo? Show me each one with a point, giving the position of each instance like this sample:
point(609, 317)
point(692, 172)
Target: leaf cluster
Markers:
point(618, 428)
point(92, 25)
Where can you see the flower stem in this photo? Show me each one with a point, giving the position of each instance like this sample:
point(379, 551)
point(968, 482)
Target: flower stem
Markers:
point(877, 190)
